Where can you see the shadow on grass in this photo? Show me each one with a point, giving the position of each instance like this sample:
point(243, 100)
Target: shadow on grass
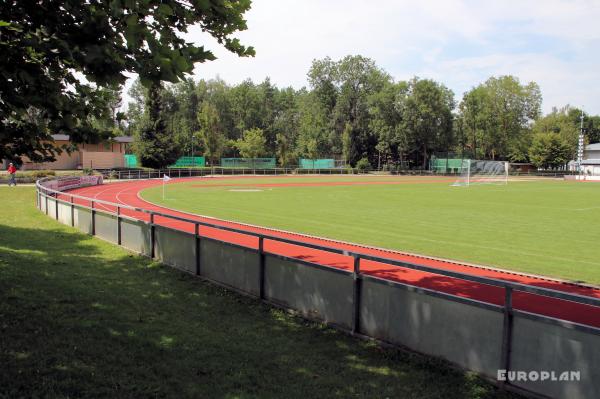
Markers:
point(82, 318)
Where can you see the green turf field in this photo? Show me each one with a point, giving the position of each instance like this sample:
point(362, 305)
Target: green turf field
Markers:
point(544, 227)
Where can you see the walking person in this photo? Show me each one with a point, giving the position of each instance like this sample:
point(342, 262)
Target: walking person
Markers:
point(12, 171)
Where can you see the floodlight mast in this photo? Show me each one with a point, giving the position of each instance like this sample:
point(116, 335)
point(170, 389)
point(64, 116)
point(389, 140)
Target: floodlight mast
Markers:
point(580, 147)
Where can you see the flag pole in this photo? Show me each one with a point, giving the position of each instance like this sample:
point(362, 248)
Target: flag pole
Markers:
point(165, 179)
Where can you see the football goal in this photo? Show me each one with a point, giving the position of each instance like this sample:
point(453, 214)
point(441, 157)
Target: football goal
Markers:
point(482, 172)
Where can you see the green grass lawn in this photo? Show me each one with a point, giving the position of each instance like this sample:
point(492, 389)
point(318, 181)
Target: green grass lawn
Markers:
point(548, 227)
point(80, 317)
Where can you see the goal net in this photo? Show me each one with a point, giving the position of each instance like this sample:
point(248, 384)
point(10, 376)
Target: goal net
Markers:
point(482, 172)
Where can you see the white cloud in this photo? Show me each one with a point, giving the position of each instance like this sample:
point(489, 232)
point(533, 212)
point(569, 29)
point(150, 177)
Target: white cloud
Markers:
point(460, 43)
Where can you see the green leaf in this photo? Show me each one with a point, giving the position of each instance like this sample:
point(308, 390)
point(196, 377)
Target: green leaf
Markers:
point(165, 10)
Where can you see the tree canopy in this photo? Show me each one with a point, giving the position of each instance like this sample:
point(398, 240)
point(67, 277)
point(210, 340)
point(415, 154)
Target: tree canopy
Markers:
point(251, 144)
point(549, 150)
point(58, 55)
point(496, 117)
point(354, 110)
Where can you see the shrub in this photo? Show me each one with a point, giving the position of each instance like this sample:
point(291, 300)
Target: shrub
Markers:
point(88, 171)
point(43, 173)
point(363, 165)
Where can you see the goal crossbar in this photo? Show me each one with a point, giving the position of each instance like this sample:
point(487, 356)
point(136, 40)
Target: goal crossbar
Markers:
point(482, 172)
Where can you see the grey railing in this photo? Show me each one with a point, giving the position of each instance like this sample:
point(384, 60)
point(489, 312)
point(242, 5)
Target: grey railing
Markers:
point(357, 273)
point(508, 285)
point(137, 174)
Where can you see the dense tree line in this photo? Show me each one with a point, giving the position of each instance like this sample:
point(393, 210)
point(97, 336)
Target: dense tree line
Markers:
point(63, 69)
point(353, 110)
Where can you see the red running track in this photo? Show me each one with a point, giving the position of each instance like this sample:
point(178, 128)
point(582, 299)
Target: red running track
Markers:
point(126, 193)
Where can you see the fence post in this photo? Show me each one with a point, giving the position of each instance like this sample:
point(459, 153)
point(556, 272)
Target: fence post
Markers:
point(197, 234)
point(261, 267)
point(56, 207)
point(46, 195)
point(72, 212)
point(152, 233)
point(119, 225)
point(356, 295)
point(507, 329)
point(93, 219)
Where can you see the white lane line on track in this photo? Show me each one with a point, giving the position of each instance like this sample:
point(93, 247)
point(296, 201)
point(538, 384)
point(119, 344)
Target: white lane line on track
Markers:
point(102, 206)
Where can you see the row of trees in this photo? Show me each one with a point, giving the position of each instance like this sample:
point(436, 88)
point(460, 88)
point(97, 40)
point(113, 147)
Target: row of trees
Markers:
point(352, 110)
point(63, 69)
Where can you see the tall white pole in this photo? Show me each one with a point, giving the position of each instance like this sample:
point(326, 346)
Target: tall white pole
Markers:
point(580, 148)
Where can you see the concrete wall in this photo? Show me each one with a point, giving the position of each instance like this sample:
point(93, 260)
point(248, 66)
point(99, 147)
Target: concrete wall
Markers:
point(467, 335)
point(135, 236)
point(234, 266)
point(43, 204)
point(83, 219)
point(175, 248)
point(540, 346)
point(99, 156)
point(317, 293)
point(106, 226)
point(64, 213)
point(51, 211)
point(592, 154)
point(63, 161)
point(102, 160)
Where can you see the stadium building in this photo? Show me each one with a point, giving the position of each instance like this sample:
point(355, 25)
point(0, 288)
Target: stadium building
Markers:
point(103, 155)
point(591, 160)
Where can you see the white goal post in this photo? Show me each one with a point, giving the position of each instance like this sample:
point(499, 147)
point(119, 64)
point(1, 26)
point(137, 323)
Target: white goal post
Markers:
point(482, 172)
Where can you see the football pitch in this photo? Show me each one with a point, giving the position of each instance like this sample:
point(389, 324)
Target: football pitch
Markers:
point(544, 227)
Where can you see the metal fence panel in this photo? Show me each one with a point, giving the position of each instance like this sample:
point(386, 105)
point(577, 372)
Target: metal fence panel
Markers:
point(83, 219)
point(43, 204)
point(464, 334)
point(64, 213)
point(135, 236)
point(51, 207)
point(539, 346)
point(233, 266)
point(106, 227)
point(175, 248)
point(317, 293)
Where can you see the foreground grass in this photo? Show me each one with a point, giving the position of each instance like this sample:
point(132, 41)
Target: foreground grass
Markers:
point(549, 228)
point(82, 318)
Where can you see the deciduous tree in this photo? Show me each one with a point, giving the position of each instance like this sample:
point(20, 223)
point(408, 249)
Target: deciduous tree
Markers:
point(427, 118)
point(56, 54)
point(252, 144)
point(549, 150)
point(211, 132)
point(497, 115)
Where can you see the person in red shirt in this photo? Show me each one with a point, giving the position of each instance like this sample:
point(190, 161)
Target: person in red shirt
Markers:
point(12, 171)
